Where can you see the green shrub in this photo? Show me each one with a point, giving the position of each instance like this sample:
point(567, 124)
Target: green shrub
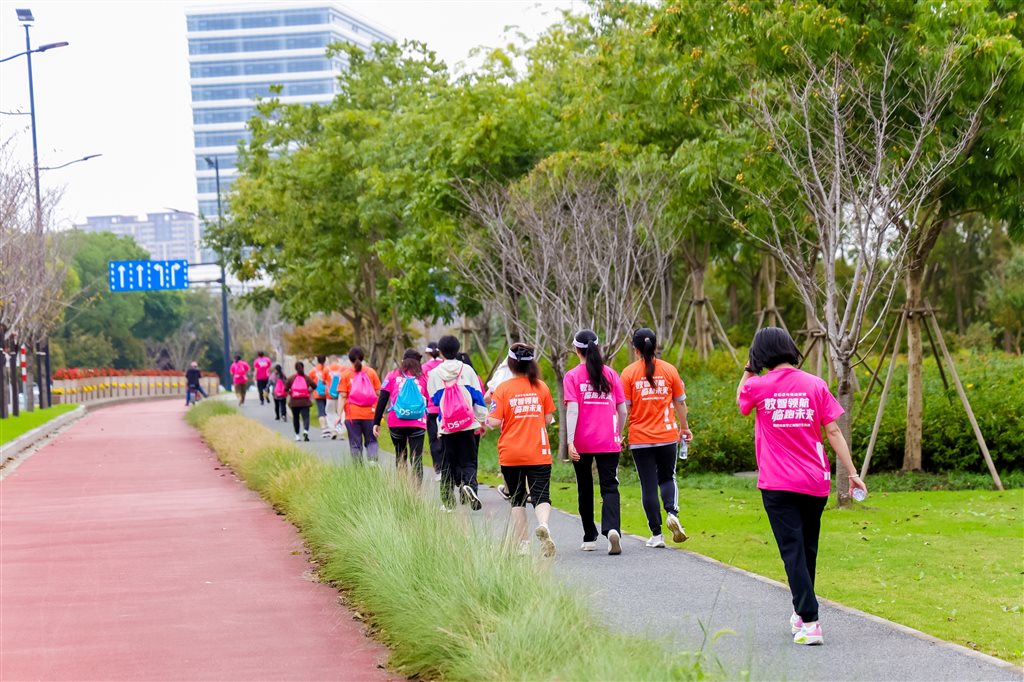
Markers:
point(199, 413)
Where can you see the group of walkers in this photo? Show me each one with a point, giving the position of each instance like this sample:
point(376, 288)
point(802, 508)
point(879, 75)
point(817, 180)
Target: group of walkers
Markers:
point(444, 403)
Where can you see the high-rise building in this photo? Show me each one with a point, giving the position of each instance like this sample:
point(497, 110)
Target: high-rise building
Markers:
point(239, 52)
point(167, 235)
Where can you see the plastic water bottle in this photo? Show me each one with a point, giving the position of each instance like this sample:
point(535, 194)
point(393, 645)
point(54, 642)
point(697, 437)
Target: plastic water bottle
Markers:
point(859, 495)
point(683, 448)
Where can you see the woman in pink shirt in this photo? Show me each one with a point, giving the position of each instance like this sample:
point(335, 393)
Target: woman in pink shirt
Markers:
point(595, 412)
point(793, 471)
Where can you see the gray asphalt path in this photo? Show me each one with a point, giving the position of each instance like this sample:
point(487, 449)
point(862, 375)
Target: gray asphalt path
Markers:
point(739, 621)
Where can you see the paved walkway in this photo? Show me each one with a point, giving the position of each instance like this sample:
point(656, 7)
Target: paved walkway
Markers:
point(740, 621)
point(128, 553)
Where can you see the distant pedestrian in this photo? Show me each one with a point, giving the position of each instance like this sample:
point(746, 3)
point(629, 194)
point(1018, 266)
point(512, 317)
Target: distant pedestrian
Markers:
point(595, 415)
point(404, 397)
point(455, 389)
point(280, 394)
point(261, 365)
point(522, 408)
point(335, 371)
point(193, 384)
point(321, 374)
point(299, 389)
point(656, 400)
point(433, 439)
point(793, 470)
point(357, 400)
point(240, 378)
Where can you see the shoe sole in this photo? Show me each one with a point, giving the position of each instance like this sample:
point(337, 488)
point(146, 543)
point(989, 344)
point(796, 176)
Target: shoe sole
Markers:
point(810, 641)
point(547, 545)
point(678, 534)
point(474, 501)
point(614, 543)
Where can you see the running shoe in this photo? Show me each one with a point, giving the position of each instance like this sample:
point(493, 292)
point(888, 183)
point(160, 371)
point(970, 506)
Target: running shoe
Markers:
point(325, 433)
point(437, 476)
point(614, 542)
point(809, 634)
point(547, 545)
point(305, 436)
point(678, 532)
point(297, 438)
point(795, 623)
point(470, 494)
point(588, 546)
point(656, 541)
point(503, 491)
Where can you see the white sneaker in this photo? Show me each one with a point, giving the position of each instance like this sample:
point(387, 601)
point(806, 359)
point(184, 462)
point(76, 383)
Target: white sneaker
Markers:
point(614, 542)
point(503, 491)
point(297, 438)
point(470, 495)
point(796, 623)
point(656, 541)
point(325, 433)
point(437, 476)
point(524, 548)
point(678, 532)
point(810, 634)
point(547, 545)
point(588, 546)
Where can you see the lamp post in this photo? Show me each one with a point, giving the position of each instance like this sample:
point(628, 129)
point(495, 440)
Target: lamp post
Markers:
point(25, 16)
point(214, 163)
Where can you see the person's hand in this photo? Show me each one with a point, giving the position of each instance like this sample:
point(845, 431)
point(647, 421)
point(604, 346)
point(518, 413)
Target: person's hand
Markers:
point(856, 483)
point(376, 430)
point(686, 434)
point(574, 454)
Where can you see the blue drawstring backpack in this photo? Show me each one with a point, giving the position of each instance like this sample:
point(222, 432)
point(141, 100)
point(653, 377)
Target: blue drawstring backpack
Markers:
point(409, 403)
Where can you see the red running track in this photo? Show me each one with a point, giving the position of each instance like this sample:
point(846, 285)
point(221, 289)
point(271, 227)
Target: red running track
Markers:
point(127, 554)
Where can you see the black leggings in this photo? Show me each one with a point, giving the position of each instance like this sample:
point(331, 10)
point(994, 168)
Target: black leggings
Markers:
point(435, 442)
point(533, 480)
point(408, 442)
point(656, 469)
point(607, 464)
point(796, 522)
point(458, 464)
point(300, 412)
point(280, 408)
point(261, 387)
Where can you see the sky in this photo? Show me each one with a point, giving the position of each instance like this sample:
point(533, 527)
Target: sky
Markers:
point(121, 89)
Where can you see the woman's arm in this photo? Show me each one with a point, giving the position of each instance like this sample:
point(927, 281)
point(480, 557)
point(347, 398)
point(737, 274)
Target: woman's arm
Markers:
point(382, 405)
point(572, 414)
point(493, 423)
point(684, 426)
point(842, 450)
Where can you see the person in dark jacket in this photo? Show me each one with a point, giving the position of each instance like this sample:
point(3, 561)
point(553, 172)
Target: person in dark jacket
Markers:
point(193, 383)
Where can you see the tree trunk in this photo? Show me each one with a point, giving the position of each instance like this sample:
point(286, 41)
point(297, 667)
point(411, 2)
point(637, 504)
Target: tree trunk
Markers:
point(816, 355)
point(702, 321)
point(30, 400)
point(734, 304)
point(844, 393)
point(915, 359)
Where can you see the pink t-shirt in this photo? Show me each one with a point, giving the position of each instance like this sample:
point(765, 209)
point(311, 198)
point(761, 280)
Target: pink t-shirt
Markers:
point(262, 367)
point(393, 384)
point(427, 366)
point(597, 428)
point(792, 407)
point(240, 371)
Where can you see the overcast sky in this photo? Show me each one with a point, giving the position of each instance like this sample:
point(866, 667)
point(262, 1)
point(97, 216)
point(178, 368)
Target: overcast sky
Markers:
point(121, 87)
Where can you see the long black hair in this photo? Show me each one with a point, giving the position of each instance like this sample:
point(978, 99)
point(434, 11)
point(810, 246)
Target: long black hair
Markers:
point(356, 357)
point(464, 358)
point(646, 342)
point(771, 347)
point(278, 371)
point(586, 343)
point(411, 362)
point(522, 360)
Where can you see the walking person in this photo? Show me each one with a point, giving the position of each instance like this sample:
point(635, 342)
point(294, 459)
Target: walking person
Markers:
point(335, 371)
point(261, 366)
point(321, 374)
point(595, 414)
point(193, 384)
point(656, 401)
point(522, 408)
point(433, 439)
point(357, 398)
point(404, 396)
point(455, 389)
point(280, 394)
point(794, 474)
point(240, 378)
point(298, 388)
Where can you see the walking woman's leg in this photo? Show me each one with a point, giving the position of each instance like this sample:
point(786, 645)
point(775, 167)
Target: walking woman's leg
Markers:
point(416, 454)
point(647, 472)
point(295, 419)
point(400, 440)
point(811, 510)
point(435, 443)
point(538, 480)
point(665, 458)
point(447, 472)
point(783, 510)
point(305, 419)
point(370, 439)
point(585, 495)
point(515, 480)
point(608, 475)
point(355, 440)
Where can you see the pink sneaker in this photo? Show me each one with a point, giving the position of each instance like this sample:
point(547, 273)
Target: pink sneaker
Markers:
point(809, 634)
point(795, 623)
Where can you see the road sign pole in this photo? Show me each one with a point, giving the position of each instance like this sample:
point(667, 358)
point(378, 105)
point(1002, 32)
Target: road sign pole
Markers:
point(223, 283)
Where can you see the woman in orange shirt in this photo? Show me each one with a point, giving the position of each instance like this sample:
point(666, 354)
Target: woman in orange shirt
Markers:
point(522, 408)
point(656, 400)
point(357, 400)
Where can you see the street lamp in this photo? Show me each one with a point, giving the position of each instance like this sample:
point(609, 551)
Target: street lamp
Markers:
point(70, 163)
point(214, 163)
point(25, 16)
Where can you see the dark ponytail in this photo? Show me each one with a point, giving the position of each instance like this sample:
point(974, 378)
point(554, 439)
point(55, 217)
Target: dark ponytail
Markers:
point(522, 361)
point(646, 342)
point(356, 357)
point(586, 342)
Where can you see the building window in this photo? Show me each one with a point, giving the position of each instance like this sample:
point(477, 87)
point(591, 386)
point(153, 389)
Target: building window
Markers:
point(224, 160)
point(268, 43)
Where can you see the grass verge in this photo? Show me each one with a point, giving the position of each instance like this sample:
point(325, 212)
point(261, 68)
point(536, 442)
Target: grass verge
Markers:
point(449, 601)
point(13, 427)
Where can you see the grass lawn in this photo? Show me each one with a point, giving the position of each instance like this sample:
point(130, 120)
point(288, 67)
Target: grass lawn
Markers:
point(12, 427)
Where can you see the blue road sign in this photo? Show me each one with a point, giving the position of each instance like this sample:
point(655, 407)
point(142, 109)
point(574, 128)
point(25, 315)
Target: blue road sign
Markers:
point(148, 275)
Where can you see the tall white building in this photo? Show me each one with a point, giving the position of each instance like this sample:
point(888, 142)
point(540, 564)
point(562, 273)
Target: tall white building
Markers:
point(239, 52)
point(167, 235)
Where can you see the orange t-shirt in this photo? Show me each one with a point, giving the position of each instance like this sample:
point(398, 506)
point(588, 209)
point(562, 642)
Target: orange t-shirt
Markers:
point(358, 411)
point(522, 409)
point(652, 416)
point(320, 373)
